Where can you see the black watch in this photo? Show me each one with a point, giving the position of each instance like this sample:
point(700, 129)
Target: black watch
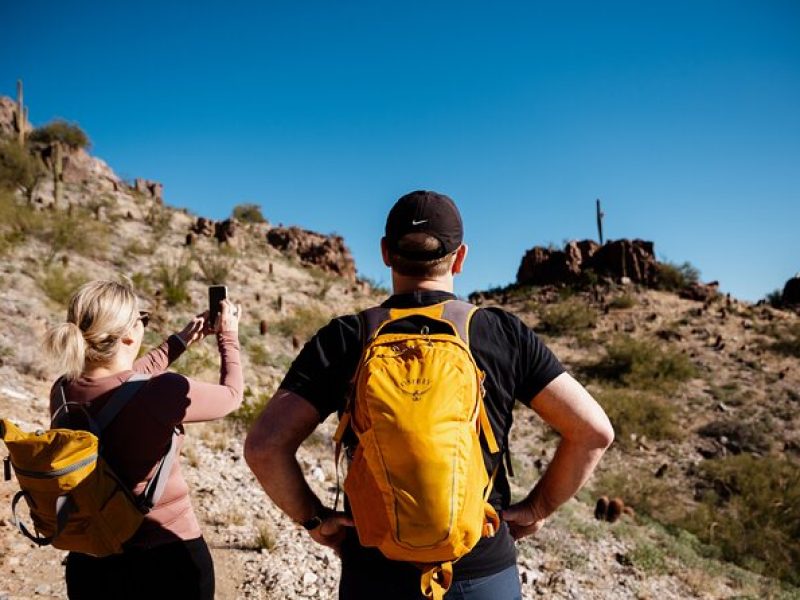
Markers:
point(322, 513)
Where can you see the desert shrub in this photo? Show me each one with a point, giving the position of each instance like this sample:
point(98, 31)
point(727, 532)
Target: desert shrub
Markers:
point(215, 268)
point(623, 301)
point(788, 341)
point(69, 134)
point(248, 213)
point(750, 509)
point(19, 169)
point(647, 495)
point(76, 231)
point(568, 316)
point(252, 406)
point(173, 280)
point(774, 298)
point(304, 322)
point(740, 435)
point(58, 283)
point(196, 362)
point(638, 414)
point(672, 277)
point(159, 218)
point(643, 364)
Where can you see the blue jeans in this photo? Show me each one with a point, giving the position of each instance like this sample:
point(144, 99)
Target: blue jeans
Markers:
point(360, 584)
point(499, 586)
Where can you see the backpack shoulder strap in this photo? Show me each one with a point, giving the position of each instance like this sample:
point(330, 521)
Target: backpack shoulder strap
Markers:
point(121, 397)
point(459, 314)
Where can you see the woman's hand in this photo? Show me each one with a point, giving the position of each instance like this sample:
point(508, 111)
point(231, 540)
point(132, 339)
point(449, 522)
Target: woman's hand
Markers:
point(195, 331)
point(229, 315)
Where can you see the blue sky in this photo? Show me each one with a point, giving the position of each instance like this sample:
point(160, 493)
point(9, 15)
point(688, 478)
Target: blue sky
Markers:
point(682, 117)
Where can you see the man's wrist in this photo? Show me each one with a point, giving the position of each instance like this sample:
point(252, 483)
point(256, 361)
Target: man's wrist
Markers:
point(317, 519)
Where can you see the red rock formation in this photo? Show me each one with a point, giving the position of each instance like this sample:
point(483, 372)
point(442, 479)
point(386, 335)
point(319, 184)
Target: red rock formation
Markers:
point(327, 252)
point(634, 259)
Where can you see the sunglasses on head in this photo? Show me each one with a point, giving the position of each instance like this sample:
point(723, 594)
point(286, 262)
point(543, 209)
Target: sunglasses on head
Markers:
point(144, 317)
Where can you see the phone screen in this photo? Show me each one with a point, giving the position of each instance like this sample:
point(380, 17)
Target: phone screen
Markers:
point(216, 294)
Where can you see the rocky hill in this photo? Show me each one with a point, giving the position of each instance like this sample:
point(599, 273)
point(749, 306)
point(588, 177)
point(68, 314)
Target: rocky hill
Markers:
point(703, 395)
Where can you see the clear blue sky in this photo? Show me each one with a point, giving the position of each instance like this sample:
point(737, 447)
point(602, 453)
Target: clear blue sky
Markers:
point(682, 116)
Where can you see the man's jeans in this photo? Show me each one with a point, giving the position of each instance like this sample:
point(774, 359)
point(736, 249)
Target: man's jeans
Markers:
point(499, 586)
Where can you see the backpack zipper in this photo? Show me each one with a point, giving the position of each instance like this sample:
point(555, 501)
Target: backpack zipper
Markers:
point(58, 472)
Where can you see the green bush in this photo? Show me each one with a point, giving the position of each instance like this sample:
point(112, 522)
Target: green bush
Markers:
point(643, 364)
point(173, 280)
point(58, 283)
point(215, 268)
point(568, 316)
point(623, 301)
point(59, 130)
point(75, 231)
point(640, 414)
point(19, 169)
point(672, 277)
point(788, 341)
point(304, 322)
point(251, 408)
point(248, 213)
point(775, 298)
point(750, 509)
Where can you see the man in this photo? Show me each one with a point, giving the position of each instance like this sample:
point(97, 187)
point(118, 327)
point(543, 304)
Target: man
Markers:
point(424, 249)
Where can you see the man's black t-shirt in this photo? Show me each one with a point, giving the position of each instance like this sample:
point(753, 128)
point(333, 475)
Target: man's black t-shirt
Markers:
point(517, 366)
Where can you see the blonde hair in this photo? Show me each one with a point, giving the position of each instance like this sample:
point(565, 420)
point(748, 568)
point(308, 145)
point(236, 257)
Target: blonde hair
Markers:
point(419, 243)
point(99, 314)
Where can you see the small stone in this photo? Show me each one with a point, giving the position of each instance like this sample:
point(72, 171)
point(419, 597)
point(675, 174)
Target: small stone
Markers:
point(309, 579)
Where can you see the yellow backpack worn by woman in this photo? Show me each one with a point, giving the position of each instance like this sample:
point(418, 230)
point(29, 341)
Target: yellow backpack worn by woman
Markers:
point(76, 501)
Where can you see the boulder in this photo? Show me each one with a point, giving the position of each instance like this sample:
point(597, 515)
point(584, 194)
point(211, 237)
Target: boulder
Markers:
point(634, 259)
point(546, 266)
point(225, 231)
point(203, 226)
point(328, 252)
point(791, 292)
point(150, 189)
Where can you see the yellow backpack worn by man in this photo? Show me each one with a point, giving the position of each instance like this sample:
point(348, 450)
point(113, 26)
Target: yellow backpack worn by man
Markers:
point(417, 484)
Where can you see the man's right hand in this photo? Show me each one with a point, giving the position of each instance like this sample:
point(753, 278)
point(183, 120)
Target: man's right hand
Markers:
point(332, 531)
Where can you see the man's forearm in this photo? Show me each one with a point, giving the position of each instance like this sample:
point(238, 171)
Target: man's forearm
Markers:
point(282, 479)
point(569, 470)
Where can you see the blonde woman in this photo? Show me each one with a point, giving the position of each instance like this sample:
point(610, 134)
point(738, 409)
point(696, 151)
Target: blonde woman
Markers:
point(96, 349)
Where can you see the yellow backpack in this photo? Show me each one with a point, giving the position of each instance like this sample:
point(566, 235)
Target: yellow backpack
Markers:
point(76, 501)
point(417, 484)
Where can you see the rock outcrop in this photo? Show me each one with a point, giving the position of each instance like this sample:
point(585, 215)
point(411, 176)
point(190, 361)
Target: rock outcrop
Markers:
point(634, 259)
point(791, 292)
point(327, 252)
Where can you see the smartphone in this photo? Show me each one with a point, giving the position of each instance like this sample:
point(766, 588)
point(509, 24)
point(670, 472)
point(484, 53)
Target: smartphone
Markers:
point(216, 294)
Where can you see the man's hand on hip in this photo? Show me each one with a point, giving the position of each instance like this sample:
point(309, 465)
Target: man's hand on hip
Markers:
point(332, 530)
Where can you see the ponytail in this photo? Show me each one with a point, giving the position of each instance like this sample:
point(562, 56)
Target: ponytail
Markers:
point(65, 347)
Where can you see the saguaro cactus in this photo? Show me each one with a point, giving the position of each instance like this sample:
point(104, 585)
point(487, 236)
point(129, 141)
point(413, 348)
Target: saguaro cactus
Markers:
point(22, 114)
point(600, 215)
point(58, 186)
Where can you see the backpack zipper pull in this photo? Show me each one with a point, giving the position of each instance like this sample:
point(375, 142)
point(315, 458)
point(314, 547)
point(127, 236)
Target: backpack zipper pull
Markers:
point(7, 468)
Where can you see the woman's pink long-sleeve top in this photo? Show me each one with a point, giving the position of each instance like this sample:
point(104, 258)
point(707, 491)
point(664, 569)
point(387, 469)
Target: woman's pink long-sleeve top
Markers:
point(140, 434)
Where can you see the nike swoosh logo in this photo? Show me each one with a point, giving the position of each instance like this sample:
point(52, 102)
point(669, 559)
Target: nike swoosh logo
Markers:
point(419, 222)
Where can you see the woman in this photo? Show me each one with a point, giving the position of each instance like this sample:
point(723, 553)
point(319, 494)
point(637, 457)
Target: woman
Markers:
point(96, 349)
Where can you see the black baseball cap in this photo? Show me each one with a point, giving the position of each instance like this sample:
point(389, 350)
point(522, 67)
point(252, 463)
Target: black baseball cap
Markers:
point(425, 212)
